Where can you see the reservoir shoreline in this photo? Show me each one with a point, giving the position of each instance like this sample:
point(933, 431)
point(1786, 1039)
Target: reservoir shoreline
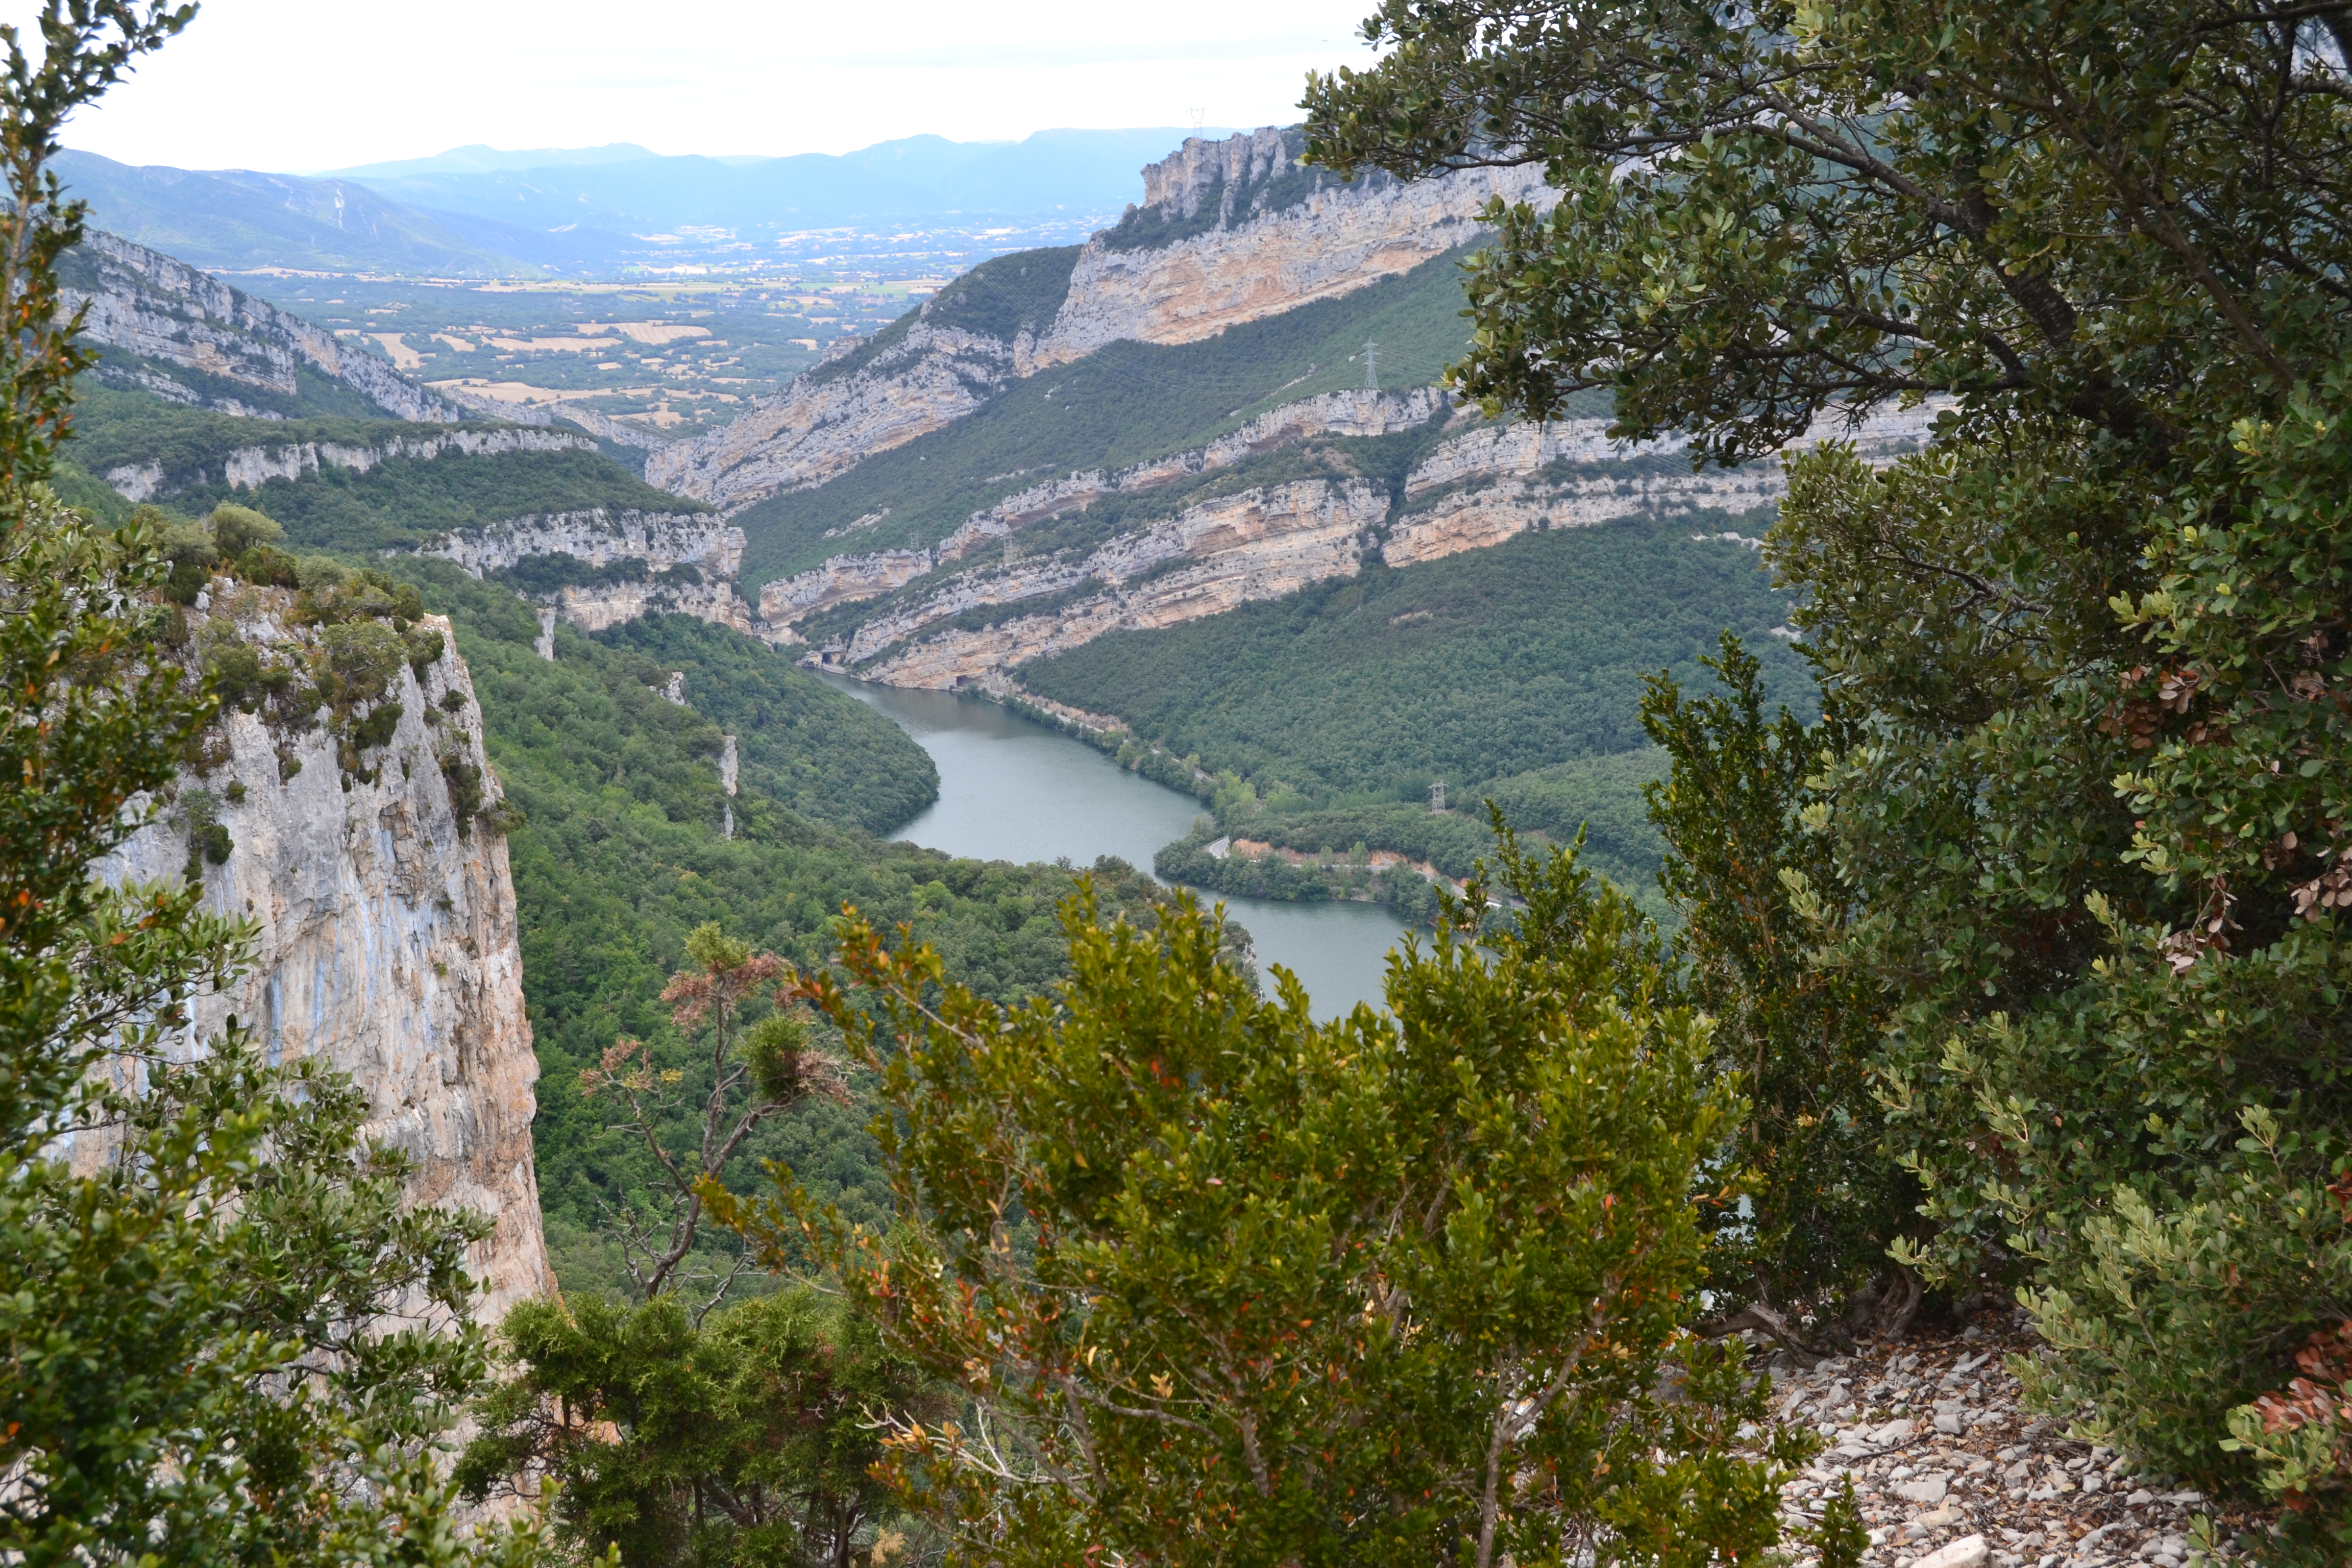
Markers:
point(1014, 789)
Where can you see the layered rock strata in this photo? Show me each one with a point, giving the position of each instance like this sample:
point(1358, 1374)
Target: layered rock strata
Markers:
point(1283, 236)
point(822, 426)
point(1259, 544)
point(1354, 413)
point(250, 467)
point(1333, 239)
point(387, 939)
point(1479, 487)
point(163, 318)
point(661, 540)
point(843, 580)
point(1489, 484)
point(846, 579)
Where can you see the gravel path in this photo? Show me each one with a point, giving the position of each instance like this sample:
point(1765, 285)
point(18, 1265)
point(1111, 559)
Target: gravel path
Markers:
point(1951, 1473)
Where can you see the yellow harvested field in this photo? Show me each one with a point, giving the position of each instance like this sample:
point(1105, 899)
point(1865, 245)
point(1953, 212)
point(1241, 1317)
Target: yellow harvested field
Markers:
point(523, 392)
point(550, 345)
point(460, 344)
point(403, 356)
point(652, 332)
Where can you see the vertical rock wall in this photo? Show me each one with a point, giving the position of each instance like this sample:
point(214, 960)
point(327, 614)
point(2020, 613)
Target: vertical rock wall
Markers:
point(388, 940)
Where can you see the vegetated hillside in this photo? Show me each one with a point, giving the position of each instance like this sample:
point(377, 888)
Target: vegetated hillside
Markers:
point(166, 326)
point(1512, 673)
point(619, 857)
point(1484, 664)
point(1118, 405)
point(399, 501)
point(795, 735)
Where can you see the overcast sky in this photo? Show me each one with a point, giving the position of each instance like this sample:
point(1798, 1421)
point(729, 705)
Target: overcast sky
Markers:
point(317, 84)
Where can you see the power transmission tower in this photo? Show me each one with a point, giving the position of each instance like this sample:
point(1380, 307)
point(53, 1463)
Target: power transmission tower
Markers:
point(1437, 796)
point(1371, 366)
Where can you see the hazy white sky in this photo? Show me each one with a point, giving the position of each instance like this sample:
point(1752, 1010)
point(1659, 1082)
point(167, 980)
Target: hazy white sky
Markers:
point(317, 84)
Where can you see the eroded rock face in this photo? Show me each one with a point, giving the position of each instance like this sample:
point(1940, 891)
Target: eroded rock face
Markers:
point(600, 537)
point(1351, 412)
point(822, 426)
point(176, 319)
point(595, 607)
point(387, 937)
point(1259, 544)
point(840, 581)
point(1278, 237)
point(1492, 482)
point(1297, 246)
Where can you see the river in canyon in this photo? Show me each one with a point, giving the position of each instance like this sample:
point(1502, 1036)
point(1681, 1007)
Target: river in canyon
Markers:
point(1012, 789)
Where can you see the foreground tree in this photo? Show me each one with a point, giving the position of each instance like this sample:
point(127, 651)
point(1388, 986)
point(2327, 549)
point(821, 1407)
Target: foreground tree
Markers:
point(1225, 1285)
point(226, 1337)
point(2078, 813)
point(749, 1439)
point(691, 1119)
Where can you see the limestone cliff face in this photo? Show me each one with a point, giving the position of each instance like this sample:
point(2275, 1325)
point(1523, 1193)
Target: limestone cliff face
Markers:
point(822, 425)
point(1492, 482)
point(1353, 412)
point(192, 339)
point(843, 580)
point(1479, 487)
point(846, 579)
point(690, 560)
point(1231, 232)
point(1259, 544)
point(660, 539)
point(597, 606)
point(1297, 237)
point(388, 942)
point(250, 467)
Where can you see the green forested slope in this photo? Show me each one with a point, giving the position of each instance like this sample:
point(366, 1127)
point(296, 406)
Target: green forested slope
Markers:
point(800, 742)
point(619, 858)
point(1118, 405)
point(1511, 674)
point(1484, 664)
point(398, 502)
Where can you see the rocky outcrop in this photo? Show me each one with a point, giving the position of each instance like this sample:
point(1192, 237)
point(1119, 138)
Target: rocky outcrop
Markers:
point(620, 432)
point(1495, 481)
point(823, 424)
point(1964, 1476)
point(1259, 544)
point(597, 606)
point(386, 918)
point(662, 540)
point(1353, 412)
point(842, 580)
point(250, 467)
point(1184, 267)
point(1286, 236)
point(189, 337)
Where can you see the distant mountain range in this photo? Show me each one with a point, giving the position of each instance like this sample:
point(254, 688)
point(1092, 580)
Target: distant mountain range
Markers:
point(481, 212)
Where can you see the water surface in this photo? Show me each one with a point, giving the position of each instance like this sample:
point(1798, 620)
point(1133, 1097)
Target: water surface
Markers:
point(1012, 789)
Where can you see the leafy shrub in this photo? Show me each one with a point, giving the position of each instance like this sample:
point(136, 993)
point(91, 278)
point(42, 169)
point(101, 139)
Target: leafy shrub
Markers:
point(1209, 1316)
point(237, 529)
